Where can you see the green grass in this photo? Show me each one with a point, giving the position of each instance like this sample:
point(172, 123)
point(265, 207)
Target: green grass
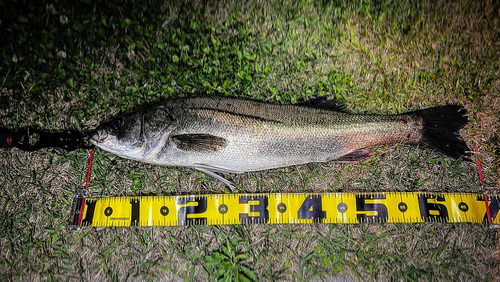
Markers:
point(74, 65)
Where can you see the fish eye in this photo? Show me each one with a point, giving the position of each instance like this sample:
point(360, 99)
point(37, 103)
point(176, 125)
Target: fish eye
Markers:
point(118, 122)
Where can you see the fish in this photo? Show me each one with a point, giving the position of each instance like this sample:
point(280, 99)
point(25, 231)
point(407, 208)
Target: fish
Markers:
point(232, 135)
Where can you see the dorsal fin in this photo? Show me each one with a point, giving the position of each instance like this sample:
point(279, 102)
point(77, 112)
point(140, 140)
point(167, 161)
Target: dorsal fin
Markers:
point(323, 103)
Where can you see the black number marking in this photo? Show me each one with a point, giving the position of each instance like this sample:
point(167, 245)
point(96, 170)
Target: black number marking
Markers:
point(135, 212)
point(261, 208)
point(361, 206)
point(494, 207)
point(312, 208)
point(89, 216)
point(426, 208)
point(184, 212)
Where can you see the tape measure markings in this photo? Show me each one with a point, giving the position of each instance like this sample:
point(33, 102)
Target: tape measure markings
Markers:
point(273, 208)
point(402, 206)
point(276, 208)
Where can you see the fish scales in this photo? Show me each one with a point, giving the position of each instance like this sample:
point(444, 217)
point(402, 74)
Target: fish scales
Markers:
point(236, 135)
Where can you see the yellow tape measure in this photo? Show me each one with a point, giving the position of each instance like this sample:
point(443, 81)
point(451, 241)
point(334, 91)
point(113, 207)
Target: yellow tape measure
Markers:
point(284, 208)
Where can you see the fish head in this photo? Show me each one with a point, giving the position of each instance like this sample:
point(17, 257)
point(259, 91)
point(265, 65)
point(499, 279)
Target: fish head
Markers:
point(137, 134)
point(122, 134)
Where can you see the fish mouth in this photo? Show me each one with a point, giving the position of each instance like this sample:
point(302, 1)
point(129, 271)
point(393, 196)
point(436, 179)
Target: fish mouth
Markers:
point(98, 137)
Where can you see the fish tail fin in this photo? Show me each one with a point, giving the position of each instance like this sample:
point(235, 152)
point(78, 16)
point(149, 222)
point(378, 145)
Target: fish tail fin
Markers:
point(441, 126)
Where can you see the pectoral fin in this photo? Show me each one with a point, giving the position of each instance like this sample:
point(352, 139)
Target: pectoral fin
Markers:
point(199, 142)
point(355, 156)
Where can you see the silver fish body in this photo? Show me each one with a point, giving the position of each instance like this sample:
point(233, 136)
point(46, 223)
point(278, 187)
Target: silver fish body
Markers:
point(236, 135)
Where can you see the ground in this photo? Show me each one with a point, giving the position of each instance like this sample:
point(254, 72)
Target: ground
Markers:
point(75, 65)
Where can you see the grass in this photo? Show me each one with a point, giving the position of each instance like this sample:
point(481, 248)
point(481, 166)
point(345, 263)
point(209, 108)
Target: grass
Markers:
point(75, 65)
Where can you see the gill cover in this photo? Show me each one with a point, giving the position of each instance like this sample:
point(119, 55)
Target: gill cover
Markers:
point(131, 133)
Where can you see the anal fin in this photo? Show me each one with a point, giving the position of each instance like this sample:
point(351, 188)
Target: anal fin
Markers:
point(356, 156)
